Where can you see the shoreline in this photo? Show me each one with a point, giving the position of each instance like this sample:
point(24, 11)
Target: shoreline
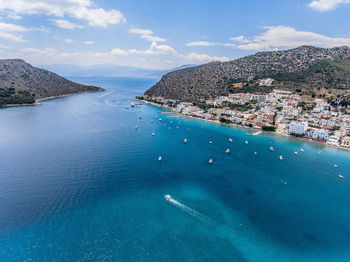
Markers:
point(247, 128)
point(37, 101)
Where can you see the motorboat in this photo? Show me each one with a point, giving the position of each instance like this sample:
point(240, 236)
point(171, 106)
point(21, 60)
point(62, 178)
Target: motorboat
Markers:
point(246, 142)
point(230, 139)
point(301, 149)
point(281, 157)
point(185, 141)
point(168, 197)
point(210, 161)
point(160, 158)
point(272, 149)
point(227, 151)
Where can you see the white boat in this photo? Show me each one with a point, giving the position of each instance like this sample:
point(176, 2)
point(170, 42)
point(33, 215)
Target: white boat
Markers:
point(185, 141)
point(168, 198)
point(171, 122)
point(136, 127)
point(153, 133)
point(295, 153)
point(281, 157)
point(227, 151)
point(246, 142)
point(210, 161)
point(272, 149)
point(335, 166)
point(160, 158)
point(210, 142)
point(155, 117)
point(160, 119)
point(230, 139)
point(340, 176)
point(255, 153)
point(301, 149)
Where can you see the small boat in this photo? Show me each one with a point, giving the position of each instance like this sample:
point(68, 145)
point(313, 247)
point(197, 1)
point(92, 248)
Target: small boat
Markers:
point(255, 153)
point(295, 153)
point(230, 139)
point(177, 127)
point(281, 157)
point(136, 127)
point(153, 133)
point(246, 142)
point(155, 117)
point(210, 142)
point(272, 149)
point(185, 141)
point(160, 158)
point(301, 149)
point(227, 151)
point(168, 198)
point(171, 122)
point(340, 176)
point(335, 166)
point(160, 119)
point(210, 161)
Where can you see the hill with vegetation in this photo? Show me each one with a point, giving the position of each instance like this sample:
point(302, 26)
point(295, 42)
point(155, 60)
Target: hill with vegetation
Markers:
point(306, 69)
point(21, 83)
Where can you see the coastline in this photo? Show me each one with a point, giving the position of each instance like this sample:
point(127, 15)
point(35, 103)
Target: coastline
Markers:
point(37, 101)
point(247, 128)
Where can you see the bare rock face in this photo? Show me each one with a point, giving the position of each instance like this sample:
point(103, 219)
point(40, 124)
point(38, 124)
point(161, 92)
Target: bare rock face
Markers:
point(22, 77)
point(216, 78)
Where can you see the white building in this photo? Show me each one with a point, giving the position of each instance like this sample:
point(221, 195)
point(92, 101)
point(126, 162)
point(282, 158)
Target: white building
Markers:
point(333, 140)
point(298, 128)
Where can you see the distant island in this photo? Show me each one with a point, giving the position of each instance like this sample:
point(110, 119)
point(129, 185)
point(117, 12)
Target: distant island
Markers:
point(302, 92)
point(23, 84)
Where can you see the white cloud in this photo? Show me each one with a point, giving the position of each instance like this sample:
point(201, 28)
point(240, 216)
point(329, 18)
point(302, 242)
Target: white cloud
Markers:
point(89, 42)
point(153, 38)
point(139, 31)
point(326, 5)
point(12, 37)
point(119, 52)
point(240, 39)
point(68, 41)
point(200, 43)
point(79, 9)
point(65, 24)
point(10, 32)
point(194, 57)
point(12, 28)
point(289, 37)
point(146, 34)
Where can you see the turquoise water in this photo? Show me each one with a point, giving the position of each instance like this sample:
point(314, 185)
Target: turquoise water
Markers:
point(78, 182)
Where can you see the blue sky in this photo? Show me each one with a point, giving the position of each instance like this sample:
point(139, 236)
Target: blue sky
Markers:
point(159, 34)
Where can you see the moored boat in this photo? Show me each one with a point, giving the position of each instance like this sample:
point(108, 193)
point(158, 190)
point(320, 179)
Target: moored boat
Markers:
point(227, 151)
point(272, 149)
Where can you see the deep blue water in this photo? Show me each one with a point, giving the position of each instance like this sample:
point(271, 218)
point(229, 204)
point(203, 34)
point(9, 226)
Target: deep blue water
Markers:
point(78, 182)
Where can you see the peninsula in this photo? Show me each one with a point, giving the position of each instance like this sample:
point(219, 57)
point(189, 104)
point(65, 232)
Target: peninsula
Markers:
point(21, 83)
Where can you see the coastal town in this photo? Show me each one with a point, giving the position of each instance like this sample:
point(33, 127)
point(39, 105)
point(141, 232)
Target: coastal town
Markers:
point(284, 112)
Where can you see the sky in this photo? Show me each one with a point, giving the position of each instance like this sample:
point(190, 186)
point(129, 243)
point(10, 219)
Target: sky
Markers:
point(160, 34)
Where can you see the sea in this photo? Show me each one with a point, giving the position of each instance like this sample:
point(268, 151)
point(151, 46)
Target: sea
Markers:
point(80, 180)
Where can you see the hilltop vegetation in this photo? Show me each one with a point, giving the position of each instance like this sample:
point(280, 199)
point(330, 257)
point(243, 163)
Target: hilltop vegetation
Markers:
point(10, 96)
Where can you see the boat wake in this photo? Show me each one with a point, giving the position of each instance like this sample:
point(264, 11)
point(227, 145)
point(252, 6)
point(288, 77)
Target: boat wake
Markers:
point(189, 210)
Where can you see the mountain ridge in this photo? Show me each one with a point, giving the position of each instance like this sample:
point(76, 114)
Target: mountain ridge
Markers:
point(21, 83)
point(216, 78)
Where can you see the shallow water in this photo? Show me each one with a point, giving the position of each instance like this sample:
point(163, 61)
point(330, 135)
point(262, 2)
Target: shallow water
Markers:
point(80, 183)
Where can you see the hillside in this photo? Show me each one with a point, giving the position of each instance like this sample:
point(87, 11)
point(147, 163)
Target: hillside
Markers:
point(21, 83)
point(307, 68)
